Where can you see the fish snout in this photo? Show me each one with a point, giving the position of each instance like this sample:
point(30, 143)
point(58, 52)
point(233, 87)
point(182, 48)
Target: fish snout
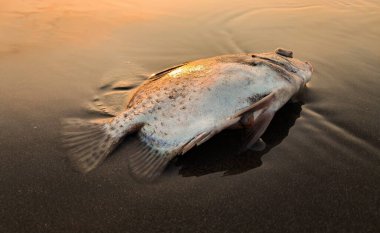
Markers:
point(310, 66)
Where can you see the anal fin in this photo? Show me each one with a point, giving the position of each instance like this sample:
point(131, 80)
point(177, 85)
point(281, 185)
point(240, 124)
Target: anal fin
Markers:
point(147, 163)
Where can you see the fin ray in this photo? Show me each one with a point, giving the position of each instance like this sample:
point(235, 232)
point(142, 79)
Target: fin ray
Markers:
point(259, 126)
point(261, 104)
point(87, 142)
point(147, 163)
point(206, 135)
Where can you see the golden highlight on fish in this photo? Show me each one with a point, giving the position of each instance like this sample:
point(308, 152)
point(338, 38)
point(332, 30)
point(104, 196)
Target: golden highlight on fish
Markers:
point(184, 106)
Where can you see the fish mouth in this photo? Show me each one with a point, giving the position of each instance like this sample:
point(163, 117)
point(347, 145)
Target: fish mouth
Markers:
point(310, 66)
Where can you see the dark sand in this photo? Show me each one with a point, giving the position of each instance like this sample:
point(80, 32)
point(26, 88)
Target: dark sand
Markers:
point(320, 172)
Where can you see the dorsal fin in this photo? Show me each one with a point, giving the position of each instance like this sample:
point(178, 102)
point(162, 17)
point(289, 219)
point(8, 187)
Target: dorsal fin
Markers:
point(163, 72)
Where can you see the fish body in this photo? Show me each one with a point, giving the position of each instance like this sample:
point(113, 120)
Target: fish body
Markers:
point(186, 105)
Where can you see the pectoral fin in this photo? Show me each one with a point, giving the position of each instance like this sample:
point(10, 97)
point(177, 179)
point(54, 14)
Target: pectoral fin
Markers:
point(206, 135)
point(256, 118)
point(260, 105)
point(259, 126)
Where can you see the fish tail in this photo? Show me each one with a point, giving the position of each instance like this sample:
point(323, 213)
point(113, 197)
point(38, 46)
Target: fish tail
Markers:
point(88, 142)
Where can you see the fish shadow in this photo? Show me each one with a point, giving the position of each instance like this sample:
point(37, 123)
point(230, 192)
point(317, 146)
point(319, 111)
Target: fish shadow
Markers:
point(226, 151)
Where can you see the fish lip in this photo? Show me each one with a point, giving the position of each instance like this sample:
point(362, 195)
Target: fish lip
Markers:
point(310, 65)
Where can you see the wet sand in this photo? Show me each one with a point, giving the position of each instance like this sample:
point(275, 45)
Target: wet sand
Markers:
point(319, 173)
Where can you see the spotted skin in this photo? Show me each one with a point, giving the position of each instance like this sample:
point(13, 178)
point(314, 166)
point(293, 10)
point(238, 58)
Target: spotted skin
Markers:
point(185, 105)
point(200, 95)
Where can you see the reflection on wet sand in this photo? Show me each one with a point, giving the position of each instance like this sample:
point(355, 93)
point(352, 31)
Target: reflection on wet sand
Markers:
point(222, 154)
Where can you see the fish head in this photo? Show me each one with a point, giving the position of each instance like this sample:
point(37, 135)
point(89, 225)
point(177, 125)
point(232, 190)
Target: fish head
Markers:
point(283, 59)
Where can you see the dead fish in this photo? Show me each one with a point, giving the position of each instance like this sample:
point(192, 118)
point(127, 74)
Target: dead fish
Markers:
point(184, 106)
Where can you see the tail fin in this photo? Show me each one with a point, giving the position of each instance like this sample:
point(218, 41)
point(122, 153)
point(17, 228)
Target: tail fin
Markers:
point(88, 143)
